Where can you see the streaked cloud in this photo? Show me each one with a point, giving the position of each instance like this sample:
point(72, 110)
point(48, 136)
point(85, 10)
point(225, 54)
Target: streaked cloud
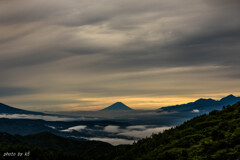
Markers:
point(144, 133)
point(75, 128)
point(136, 132)
point(44, 117)
point(29, 116)
point(156, 49)
point(14, 91)
point(113, 141)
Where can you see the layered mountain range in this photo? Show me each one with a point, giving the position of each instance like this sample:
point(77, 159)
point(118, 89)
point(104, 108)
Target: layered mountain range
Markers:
point(214, 136)
point(202, 105)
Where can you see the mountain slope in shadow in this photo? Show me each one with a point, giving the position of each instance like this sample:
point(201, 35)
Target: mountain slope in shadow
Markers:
point(5, 109)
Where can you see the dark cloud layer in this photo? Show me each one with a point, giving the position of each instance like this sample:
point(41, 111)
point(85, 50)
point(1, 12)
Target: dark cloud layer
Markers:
point(15, 91)
point(118, 48)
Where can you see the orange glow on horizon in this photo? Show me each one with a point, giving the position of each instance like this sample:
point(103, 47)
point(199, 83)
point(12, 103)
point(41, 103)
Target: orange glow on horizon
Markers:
point(97, 103)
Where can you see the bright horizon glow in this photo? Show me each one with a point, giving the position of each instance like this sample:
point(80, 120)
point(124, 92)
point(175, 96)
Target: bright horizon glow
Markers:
point(137, 103)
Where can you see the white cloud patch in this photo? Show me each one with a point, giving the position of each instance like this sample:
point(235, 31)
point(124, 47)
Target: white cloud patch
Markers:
point(136, 132)
point(195, 111)
point(144, 133)
point(75, 128)
point(113, 141)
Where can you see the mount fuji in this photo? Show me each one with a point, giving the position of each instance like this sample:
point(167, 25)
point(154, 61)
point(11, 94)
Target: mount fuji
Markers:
point(118, 106)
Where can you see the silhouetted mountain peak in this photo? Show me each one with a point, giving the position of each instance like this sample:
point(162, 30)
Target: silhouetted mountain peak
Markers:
point(119, 103)
point(201, 100)
point(229, 97)
point(116, 107)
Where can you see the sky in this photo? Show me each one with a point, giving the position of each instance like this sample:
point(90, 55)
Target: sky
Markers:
point(72, 55)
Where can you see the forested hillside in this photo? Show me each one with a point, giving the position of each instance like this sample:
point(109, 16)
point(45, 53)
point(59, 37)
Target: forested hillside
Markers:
point(206, 137)
point(47, 146)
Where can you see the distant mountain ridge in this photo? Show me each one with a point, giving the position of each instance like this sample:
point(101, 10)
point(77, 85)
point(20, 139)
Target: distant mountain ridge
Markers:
point(118, 106)
point(5, 109)
point(202, 105)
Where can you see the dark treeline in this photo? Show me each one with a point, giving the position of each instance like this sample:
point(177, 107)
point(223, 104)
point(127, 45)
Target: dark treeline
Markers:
point(47, 146)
